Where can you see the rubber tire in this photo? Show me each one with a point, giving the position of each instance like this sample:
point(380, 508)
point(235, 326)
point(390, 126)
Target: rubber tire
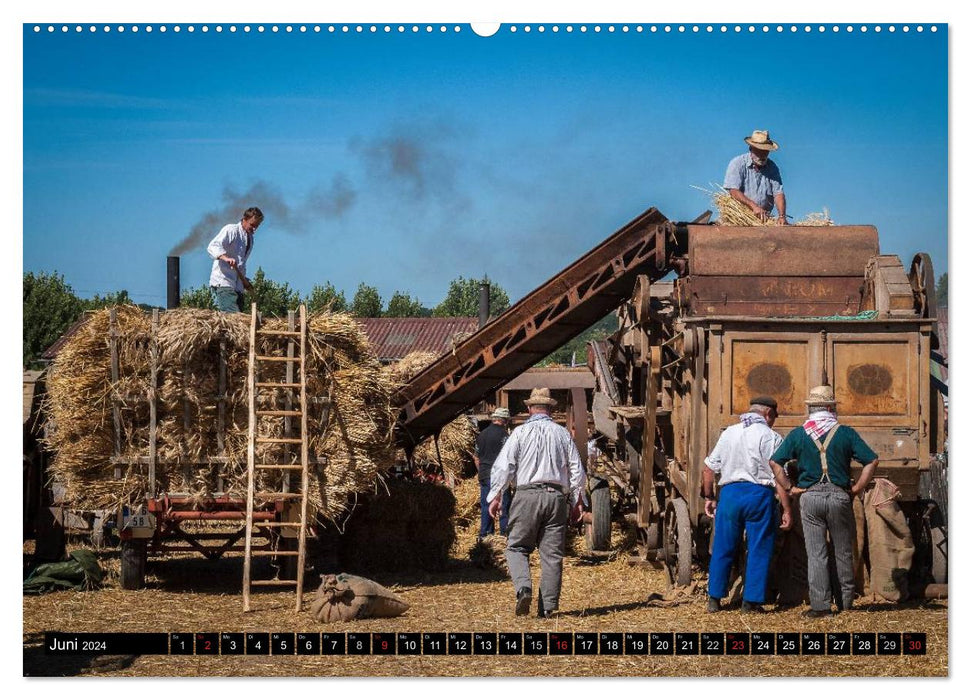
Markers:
point(597, 533)
point(134, 556)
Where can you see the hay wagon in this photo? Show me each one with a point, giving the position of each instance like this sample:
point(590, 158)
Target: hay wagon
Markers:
point(187, 437)
point(775, 311)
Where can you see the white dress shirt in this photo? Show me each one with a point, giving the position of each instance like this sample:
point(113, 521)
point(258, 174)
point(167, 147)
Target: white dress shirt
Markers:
point(742, 454)
point(539, 451)
point(234, 242)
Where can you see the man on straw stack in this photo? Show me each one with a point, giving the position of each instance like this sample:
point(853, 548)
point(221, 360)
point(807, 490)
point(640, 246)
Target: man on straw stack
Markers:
point(755, 181)
point(823, 450)
point(541, 460)
point(230, 250)
point(487, 447)
point(746, 503)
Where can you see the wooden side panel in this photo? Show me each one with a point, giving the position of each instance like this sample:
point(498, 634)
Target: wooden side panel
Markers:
point(782, 251)
point(777, 367)
point(874, 378)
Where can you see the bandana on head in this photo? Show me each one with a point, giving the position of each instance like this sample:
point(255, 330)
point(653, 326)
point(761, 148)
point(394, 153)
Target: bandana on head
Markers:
point(752, 418)
point(819, 423)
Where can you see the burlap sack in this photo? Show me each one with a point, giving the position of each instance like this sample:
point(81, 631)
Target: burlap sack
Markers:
point(890, 542)
point(345, 597)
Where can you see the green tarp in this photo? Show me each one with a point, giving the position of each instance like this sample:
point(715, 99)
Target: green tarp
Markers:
point(80, 572)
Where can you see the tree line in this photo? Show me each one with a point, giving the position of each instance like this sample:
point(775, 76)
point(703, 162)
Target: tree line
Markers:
point(51, 305)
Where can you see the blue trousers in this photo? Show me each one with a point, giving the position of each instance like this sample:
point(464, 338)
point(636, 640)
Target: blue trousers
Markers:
point(746, 508)
point(486, 526)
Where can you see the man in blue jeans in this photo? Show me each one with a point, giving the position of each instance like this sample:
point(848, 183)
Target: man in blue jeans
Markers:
point(487, 446)
point(230, 250)
point(746, 503)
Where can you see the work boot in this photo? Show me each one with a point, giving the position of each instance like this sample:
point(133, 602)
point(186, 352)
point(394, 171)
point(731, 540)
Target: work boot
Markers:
point(714, 605)
point(524, 598)
point(748, 607)
point(816, 613)
point(843, 606)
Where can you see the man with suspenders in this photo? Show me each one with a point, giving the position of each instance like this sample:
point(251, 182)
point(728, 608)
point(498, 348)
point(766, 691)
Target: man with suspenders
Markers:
point(823, 450)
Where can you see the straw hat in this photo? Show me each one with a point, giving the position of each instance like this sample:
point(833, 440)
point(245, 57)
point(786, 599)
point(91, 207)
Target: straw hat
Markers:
point(822, 396)
point(502, 413)
point(540, 397)
point(761, 141)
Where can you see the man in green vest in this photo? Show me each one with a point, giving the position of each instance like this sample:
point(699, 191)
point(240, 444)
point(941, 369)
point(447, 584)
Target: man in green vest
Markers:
point(823, 450)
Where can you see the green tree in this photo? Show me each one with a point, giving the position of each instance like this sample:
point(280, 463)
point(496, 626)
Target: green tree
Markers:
point(942, 290)
point(272, 298)
point(197, 298)
point(576, 349)
point(463, 298)
point(50, 307)
point(110, 299)
point(401, 305)
point(326, 297)
point(367, 302)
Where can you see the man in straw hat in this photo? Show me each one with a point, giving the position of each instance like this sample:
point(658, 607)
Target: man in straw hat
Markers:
point(755, 181)
point(746, 503)
point(487, 446)
point(541, 460)
point(823, 450)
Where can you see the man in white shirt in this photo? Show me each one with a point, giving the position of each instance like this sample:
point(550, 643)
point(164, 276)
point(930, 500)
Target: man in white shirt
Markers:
point(541, 460)
point(746, 503)
point(230, 250)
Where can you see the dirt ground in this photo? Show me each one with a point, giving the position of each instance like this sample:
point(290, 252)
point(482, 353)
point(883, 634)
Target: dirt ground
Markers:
point(600, 594)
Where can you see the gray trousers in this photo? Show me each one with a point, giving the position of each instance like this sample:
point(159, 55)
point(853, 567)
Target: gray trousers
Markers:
point(826, 507)
point(538, 517)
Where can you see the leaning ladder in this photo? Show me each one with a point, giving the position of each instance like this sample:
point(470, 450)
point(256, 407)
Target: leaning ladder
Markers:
point(296, 409)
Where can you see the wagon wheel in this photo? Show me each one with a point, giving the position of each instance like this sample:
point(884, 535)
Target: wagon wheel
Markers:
point(924, 284)
point(677, 542)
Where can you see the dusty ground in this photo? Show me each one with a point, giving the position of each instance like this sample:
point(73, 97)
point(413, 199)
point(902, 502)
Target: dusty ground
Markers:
point(194, 595)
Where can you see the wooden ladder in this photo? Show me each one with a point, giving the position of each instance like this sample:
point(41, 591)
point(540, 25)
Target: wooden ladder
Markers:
point(296, 408)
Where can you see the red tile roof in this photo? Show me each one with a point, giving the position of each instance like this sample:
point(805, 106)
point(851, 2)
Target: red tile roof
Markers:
point(393, 338)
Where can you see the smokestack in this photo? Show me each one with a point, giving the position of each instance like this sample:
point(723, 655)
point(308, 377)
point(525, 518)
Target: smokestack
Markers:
point(483, 304)
point(173, 299)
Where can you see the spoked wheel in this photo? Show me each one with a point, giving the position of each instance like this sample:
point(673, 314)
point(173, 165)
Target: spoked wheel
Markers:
point(677, 542)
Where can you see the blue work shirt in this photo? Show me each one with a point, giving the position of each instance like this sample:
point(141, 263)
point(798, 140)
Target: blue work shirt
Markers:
point(761, 185)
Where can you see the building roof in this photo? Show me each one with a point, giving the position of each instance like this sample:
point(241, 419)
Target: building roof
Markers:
point(393, 338)
point(51, 352)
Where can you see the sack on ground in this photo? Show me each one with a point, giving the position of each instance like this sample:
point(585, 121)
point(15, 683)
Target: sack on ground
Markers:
point(890, 542)
point(345, 597)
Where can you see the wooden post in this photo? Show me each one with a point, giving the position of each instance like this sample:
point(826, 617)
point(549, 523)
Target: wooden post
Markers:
point(304, 457)
point(250, 457)
point(288, 401)
point(115, 408)
point(153, 405)
point(186, 424)
point(221, 415)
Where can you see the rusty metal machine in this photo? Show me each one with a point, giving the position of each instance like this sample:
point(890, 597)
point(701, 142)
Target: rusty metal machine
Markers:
point(749, 311)
point(764, 311)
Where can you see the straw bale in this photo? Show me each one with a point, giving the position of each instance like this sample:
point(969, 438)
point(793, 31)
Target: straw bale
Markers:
point(731, 212)
point(456, 440)
point(401, 525)
point(355, 438)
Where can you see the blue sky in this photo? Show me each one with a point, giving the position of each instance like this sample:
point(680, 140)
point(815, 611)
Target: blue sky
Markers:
point(405, 160)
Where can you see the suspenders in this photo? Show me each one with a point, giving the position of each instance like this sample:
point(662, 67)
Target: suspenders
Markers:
point(821, 446)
